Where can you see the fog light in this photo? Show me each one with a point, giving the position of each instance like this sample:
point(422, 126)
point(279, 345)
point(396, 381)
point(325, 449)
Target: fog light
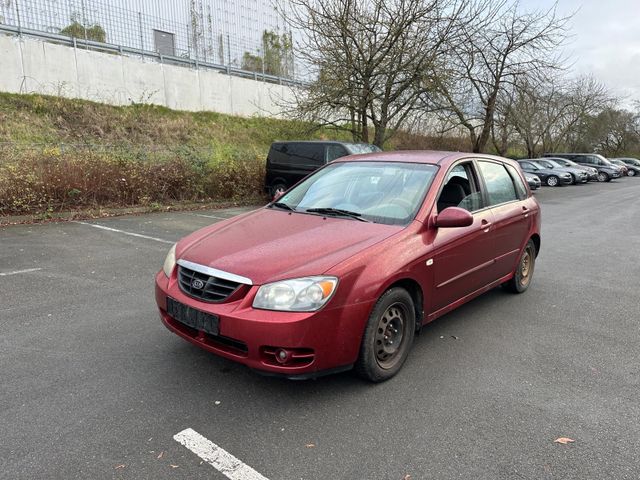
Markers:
point(282, 355)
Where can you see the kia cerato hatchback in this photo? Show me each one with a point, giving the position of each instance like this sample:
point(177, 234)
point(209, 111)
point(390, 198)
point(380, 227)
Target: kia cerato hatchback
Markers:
point(342, 270)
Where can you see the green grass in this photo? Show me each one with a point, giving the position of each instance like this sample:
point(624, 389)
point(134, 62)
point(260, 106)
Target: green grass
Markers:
point(29, 119)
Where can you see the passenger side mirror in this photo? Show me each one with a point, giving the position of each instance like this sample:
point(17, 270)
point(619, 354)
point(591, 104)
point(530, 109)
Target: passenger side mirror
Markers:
point(277, 196)
point(454, 217)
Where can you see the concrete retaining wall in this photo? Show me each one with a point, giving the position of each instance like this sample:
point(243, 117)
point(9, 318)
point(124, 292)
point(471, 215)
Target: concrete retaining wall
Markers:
point(32, 66)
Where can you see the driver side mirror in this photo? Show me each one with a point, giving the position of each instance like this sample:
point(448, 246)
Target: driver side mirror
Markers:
point(277, 196)
point(454, 217)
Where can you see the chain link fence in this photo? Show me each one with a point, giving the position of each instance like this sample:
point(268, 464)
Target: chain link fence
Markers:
point(243, 37)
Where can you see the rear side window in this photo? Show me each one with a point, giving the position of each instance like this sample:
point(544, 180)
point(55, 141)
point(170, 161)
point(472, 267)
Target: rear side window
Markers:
point(500, 187)
point(308, 153)
point(297, 154)
point(521, 190)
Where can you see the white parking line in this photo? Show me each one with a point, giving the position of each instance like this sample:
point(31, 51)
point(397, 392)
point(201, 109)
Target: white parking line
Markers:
point(102, 227)
point(16, 272)
point(207, 216)
point(217, 457)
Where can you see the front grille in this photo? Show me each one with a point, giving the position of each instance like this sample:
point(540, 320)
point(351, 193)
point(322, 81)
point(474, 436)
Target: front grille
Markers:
point(205, 287)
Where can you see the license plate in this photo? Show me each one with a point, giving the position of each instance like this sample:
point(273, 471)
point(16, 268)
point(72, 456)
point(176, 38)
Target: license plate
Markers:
point(193, 318)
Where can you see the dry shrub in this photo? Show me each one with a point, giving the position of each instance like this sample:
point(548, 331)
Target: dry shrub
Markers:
point(53, 181)
point(235, 179)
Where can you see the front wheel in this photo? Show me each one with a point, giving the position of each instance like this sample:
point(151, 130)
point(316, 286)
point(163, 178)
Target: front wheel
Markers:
point(631, 173)
point(552, 181)
point(524, 271)
point(388, 336)
point(278, 188)
point(603, 177)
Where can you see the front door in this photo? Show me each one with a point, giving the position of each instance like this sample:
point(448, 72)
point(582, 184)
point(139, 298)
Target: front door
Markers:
point(463, 257)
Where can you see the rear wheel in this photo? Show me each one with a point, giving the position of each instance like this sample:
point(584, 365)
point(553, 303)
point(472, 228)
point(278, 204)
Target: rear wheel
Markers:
point(524, 271)
point(552, 181)
point(388, 336)
point(603, 177)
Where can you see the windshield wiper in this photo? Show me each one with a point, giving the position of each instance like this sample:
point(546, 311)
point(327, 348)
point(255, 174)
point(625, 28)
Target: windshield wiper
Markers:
point(338, 212)
point(283, 206)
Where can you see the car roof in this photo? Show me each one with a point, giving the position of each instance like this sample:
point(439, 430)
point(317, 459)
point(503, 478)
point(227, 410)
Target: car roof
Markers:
point(323, 142)
point(432, 157)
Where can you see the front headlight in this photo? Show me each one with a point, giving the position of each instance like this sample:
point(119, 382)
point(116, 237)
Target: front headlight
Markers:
point(170, 261)
point(306, 294)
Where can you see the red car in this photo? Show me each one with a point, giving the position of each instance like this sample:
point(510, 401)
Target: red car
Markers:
point(342, 270)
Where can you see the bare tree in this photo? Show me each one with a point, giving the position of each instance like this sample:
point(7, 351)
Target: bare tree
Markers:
point(370, 61)
point(504, 45)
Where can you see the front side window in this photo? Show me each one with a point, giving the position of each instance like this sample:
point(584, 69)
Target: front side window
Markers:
point(500, 188)
point(381, 192)
point(461, 189)
point(335, 151)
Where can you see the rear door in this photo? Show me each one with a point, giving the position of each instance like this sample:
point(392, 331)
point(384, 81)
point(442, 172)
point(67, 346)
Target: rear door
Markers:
point(508, 199)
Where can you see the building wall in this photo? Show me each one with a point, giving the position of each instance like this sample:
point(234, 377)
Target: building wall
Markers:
point(33, 66)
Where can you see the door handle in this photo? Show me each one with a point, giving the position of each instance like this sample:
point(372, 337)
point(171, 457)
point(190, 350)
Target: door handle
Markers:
point(525, 211)
point(485, 225)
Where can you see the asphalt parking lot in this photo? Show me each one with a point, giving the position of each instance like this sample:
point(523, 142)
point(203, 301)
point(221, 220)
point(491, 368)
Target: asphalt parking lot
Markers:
point(94, 386)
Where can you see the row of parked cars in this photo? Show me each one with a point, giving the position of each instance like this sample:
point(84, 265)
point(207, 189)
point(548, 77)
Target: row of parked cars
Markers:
point(290, 162)
point(557, 169)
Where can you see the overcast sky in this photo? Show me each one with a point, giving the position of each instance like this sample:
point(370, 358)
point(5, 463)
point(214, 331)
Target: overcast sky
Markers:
point(606, 40)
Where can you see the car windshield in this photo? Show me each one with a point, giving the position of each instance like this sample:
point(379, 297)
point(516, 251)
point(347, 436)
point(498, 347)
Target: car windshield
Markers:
point(538, 164)
point(356, 148)
point(380, 192)
point(546, 164)
point(555, 163)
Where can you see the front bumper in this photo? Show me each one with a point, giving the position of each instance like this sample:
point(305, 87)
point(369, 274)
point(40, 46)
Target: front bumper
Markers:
point(566, 180)
point(320, 342)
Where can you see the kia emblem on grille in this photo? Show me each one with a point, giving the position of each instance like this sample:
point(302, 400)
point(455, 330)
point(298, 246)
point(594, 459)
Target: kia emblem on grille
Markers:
point(197, 283)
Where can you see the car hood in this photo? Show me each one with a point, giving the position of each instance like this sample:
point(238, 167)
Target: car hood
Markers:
point(268, 245)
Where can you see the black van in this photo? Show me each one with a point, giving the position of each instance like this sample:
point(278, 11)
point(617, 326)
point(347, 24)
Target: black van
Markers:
point(290, 162)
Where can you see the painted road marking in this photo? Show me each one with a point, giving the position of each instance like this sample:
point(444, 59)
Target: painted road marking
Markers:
point(16, 272)
point(102, 227)
point(208, 216)
point(216, 456)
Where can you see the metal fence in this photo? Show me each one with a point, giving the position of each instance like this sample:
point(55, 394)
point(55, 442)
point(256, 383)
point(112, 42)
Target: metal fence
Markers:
point(244, 37)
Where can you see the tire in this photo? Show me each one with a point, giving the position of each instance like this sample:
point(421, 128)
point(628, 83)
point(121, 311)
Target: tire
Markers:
point(524, 271)
point(631, 173)
point(573, 179)
point(603, 177)
point(552, 181)
point(393, 319)
point(278, 187)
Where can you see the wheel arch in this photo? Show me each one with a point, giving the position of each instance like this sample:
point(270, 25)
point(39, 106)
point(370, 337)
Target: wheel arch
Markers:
point(535, 238)
point(417, 295)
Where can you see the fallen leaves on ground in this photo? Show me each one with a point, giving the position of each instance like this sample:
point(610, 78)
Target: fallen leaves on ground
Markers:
point(564, 440)
point(160, 456)
point(174, 466)
point(310, 445)
point(118, 467)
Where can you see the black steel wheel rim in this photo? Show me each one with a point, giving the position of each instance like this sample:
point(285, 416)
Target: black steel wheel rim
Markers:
point(390, 335)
